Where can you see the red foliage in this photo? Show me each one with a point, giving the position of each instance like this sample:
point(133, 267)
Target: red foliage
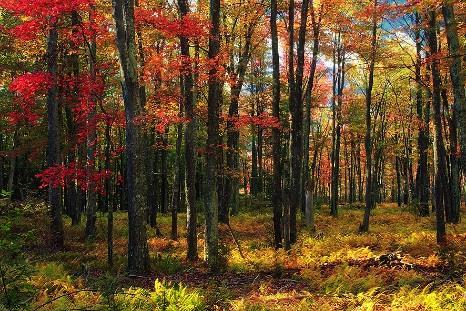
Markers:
point(29, 84)
point(263, 120)
point(40, 14)
point(189, 26)
point(28, 30)
point(161, 118)
point(27, 87)
point(44, 8)
point(61, 175)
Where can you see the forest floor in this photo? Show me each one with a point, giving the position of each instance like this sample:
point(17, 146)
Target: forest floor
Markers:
point(396, 266)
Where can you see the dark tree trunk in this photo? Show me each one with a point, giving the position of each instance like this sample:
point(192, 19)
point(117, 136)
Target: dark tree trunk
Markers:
point(296, 109)
point(190, 144)
point(338, 85)
point(422, 178)
point(277, 169)
point(164, 173)
point(154, 191)
point(53, 143)
point(91, 141)
point(71, 197)
point(452, 205)
point(179, 176)
point(254, 166)
point(364, 227)
point(108, 205)
point(138, 253)
point(441, 168)
point(211, 198)
point(308, 98)
point(456, 75)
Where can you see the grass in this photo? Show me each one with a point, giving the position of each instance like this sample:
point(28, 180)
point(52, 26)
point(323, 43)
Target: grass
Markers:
point(335, 268)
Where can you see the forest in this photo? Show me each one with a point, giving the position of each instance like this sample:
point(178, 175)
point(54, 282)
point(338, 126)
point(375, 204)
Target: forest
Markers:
point(232, 155)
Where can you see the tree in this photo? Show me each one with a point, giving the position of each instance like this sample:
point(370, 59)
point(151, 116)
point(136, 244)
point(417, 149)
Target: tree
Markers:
point(53, 143)
point(190, 142)
point(138, 255)
point(456, 75)
point(91, 142)
point(295, 85)
point(364, 227)
point(441, 192)
point(423, 114)
point(277, 166)
point(211, 197)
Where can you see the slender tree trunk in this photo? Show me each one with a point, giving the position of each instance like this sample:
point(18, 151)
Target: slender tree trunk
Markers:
point(232, 179)
point(364, 227)
point(155, 203)
point(211, 198)
point(108, 205)
point(456, 75)
point(440, 178)
point(423, 136)
point(308, 98)
point(296, 109)
point(339, 81)
point(138, 254)
point(277, 168)
point(190, 143)
point(164, 173)
point(254, 166)
point(53, 143)
point(179, 180)
point(13, 160)
point(452, 201)
point(91, 141)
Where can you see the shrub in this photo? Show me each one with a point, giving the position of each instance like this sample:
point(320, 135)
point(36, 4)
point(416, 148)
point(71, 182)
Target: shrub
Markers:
point(447, 297)
point(168, 264)
point(165, 296)
point(15, 269)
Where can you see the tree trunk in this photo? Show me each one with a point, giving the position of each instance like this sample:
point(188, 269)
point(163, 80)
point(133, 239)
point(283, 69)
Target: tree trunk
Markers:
point(277, 169)
point(91, 141)
point(296, 109)
point(190, 143)
point(179, 178)
point(211, 198)
point(108, 205)
point(423, 137)
point(440, 163)
point(138, 254)
point(308, 98)
point(164, 173)
point(53, 142)
point(364, 227)
point(338, 84)
point(456, 75)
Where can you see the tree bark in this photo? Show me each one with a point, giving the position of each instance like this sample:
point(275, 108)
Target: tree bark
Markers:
point(308, 98)
point(190, 143)
point(91, 141)
point(138, 254)
point(296, 109)
point(456, 75)
point(423, 112)
point(277, 168)
point(53, 141)
point(364, 227)
point(440, 163)
point(211, 198)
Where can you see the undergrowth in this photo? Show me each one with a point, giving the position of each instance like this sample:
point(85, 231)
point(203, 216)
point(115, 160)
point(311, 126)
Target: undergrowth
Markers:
point(331, 268)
